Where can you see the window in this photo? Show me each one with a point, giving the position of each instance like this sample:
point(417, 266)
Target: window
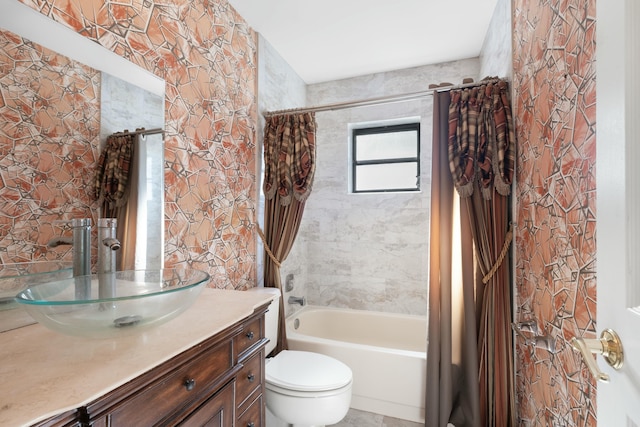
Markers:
point(386, 158)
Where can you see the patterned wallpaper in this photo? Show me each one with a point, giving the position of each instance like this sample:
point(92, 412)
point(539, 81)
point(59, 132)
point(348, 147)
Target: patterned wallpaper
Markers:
point(50, 122)
point(555, 94)
point(207, 55)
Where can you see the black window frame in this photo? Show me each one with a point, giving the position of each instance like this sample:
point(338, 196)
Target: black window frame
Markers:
point(405, 127)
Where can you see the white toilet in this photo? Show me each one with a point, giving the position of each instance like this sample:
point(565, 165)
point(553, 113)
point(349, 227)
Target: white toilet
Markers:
point(302, 389)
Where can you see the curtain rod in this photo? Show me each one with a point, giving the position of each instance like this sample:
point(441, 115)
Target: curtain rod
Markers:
point(141, 132)
point(380, 100)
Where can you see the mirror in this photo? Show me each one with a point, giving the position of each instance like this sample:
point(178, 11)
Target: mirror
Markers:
point(52, 128)
point(141, 222)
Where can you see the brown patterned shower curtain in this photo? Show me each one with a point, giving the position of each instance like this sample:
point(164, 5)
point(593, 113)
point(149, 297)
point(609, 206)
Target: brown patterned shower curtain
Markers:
point(111, 182)
point(289, 160)
point(477, 147)
point(116, 181)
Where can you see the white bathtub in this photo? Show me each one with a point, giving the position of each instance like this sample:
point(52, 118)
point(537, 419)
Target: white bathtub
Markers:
point(386, 352)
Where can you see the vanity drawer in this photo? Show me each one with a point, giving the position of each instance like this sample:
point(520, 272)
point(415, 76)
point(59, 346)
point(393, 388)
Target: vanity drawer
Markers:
point(254, 415)
point(250, 377)
point(168, 396)
point(251, 334)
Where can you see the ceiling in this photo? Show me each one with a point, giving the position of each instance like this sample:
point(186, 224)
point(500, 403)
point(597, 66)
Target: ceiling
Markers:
point(326, 40)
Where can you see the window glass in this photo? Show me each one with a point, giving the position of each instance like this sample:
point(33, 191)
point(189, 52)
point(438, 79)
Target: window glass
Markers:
point(386, 158)
point(386, 177)
point(394, 145)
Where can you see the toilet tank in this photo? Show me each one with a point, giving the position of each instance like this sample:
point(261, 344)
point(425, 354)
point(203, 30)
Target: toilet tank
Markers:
point(271, 316)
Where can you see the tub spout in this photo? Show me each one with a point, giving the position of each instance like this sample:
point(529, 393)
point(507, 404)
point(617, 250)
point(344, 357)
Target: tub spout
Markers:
point(297, 300)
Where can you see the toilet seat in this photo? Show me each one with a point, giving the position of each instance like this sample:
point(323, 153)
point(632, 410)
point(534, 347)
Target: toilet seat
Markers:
point(305, 372)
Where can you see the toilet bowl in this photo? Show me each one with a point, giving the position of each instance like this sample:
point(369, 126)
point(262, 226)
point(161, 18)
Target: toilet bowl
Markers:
point(307, 389)
point(302, 389)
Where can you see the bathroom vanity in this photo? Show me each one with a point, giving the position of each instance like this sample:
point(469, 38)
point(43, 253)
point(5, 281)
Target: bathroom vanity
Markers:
point(205, 367)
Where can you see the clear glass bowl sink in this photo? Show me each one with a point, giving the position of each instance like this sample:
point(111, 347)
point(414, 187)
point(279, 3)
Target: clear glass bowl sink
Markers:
point(115, 304)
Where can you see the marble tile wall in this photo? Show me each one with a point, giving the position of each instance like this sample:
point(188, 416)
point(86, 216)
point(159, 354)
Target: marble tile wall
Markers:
point(555, 250)
point(207, 55)
point(496, 54)
point(367, 251)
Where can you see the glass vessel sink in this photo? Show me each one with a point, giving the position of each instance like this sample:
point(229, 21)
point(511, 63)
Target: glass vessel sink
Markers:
point(17, 277)
point(113, 304)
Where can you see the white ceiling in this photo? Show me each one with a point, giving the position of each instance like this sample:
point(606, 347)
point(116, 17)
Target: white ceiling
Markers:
point(326, 40)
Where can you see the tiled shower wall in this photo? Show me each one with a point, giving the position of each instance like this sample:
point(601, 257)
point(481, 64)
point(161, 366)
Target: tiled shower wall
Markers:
point(207, 55)
point(555, 95)
point(367, 251)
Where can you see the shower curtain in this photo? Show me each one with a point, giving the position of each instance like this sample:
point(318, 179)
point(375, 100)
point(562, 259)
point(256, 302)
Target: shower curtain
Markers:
point(111, 186)
point(473, 151)
point(289, 157)
point(129, 186)
point(452, 389)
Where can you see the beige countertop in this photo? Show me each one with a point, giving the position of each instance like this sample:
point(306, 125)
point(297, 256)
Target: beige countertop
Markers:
point(44, 373)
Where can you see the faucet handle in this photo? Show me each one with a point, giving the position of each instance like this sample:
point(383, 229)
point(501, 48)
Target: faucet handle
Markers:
point(516, 328)
point(107, 222)
point(74, 222)
point(529, 325)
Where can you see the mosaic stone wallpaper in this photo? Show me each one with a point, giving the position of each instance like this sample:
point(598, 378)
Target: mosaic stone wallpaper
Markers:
point(49, 127)
point(555, 95)
point(207, 55)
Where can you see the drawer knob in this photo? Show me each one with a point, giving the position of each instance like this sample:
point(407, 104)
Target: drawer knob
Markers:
point(250, 424)
point(189, 384)
point(251, 377)
point(250, 335)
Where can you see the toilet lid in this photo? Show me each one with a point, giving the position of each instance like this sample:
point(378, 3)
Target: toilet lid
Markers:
point(305, 371)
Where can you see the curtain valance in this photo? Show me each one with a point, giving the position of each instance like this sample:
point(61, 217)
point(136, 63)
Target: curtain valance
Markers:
point(289, 156)
point(481, 139)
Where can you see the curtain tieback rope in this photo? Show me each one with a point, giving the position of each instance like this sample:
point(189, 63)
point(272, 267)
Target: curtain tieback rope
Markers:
point(505, 249)
point(266, 246)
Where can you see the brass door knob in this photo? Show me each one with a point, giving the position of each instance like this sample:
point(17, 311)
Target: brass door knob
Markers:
point(608, 345)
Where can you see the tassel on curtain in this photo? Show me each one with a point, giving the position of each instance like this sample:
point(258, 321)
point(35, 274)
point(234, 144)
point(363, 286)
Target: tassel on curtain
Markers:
point(481, 151)
point(289, 157)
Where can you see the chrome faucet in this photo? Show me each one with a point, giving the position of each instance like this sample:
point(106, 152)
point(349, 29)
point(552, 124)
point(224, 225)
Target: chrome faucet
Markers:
point(81, 248)
point(107, 245)
point(297, 300)
point(81, 243)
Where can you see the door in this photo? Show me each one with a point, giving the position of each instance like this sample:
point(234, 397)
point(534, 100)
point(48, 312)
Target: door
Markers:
point(618, 204)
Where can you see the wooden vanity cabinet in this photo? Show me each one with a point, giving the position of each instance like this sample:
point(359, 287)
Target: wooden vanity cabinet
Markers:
point(219, 382)
point(250, 379)
point(66, 419)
